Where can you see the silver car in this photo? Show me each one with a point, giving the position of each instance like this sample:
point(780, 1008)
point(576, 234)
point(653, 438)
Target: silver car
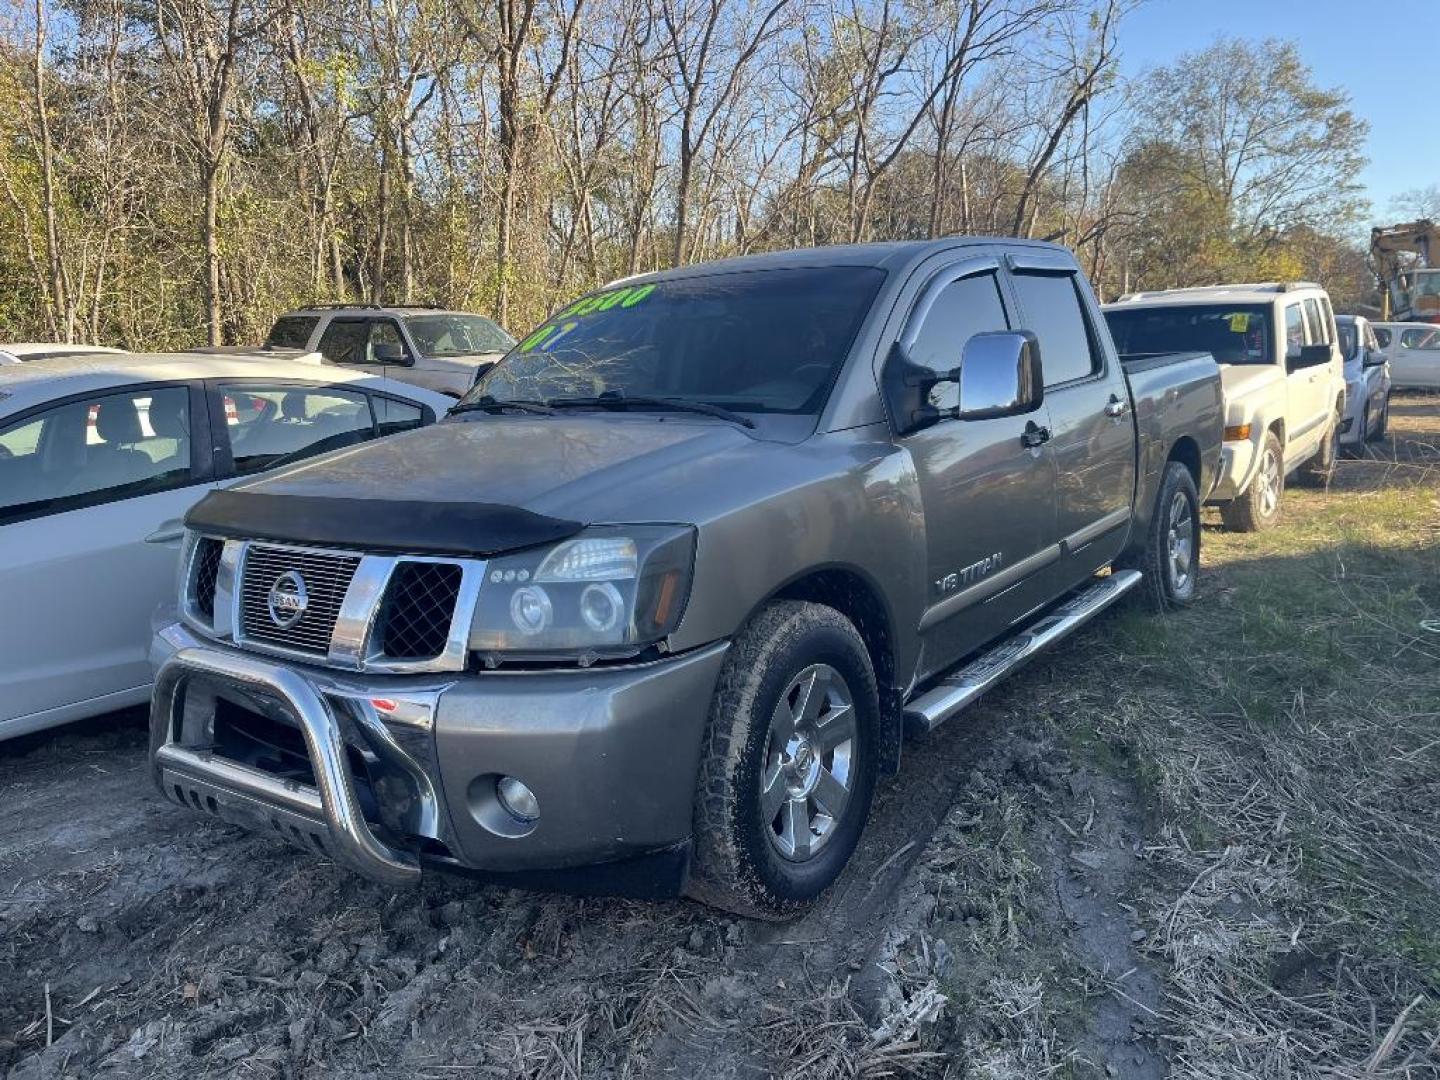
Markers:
point(1367, 383)
point(100, 458)
point(439, 350)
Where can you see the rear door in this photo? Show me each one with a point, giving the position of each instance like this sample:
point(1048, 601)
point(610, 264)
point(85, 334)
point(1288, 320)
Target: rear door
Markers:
point(92, 493)
point(1092, 431)
point(988, 499)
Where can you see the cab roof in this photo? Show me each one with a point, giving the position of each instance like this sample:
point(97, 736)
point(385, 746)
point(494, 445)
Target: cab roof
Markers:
point(885, 255)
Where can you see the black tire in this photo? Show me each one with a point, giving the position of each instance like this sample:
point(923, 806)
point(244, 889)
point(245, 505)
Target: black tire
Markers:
point(1382, 425)
point(1164, 586)
point(1250, 511)
point(1320, 469)
point(736, 865)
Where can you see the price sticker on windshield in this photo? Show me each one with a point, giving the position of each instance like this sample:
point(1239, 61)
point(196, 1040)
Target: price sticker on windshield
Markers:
point(1239, 322)
point(614, 300)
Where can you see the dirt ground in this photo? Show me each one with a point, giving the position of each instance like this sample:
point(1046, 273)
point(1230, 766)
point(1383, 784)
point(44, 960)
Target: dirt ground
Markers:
point(1202, 847)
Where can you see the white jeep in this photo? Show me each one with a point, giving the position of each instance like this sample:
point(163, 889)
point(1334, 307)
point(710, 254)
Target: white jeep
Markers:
point(1283, 376)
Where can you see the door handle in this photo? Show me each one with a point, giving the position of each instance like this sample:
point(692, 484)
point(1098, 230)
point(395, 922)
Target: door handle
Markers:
point(165, 534)
point(1034, 435)
point(1116, 406)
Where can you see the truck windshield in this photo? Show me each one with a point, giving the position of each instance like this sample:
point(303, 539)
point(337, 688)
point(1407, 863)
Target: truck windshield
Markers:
point(1233, 334)
point(756, 341)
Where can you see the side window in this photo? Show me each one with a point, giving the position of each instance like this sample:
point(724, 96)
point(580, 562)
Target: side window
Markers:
point(344, 341)
point(291, 332)
point(1052, 311)
point(1314, 329)
point(1328, 318)
point(1419, 339)
point(392, 415)
point(1382, 338)
point(274, 425)
point(97, 450)
point(1294, 331)
point(384, 332)
point(963, 309)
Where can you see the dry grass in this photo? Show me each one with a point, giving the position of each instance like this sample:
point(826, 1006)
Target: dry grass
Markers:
point(1287, 729)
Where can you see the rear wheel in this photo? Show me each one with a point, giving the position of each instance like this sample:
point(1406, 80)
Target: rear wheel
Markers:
point(1170, 561)
point(788, 766)
point(1257, 508)
point(1320, 469)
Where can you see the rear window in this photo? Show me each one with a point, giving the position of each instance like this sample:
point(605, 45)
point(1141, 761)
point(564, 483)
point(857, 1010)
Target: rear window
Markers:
point(1234, 334)
point(291, 332)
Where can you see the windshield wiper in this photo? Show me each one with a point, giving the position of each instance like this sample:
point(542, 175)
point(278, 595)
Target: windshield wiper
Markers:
point(614, 399)
point(487, 403)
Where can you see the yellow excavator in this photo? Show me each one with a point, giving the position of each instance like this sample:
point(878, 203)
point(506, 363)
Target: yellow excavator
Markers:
point(1409, 283)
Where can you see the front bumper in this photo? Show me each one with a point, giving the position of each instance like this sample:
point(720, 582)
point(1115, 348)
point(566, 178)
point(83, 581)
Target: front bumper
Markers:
point(1238, 459)
point(402, 770)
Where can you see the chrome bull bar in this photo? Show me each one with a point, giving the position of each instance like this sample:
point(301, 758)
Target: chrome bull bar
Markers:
point(331, 805)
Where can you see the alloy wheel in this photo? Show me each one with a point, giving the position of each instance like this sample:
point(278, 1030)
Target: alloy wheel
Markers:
point(808, 772)
point(1180, 544)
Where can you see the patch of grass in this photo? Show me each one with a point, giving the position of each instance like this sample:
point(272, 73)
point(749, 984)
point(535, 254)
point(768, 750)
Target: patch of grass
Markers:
point(1289, 725)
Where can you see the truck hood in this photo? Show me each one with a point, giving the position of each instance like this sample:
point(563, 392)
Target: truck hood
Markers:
point(475, 487)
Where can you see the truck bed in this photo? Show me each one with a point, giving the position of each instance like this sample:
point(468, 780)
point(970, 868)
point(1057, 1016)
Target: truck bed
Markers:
point(1178, 409)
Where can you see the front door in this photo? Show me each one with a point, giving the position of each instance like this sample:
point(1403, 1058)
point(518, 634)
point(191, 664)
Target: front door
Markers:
point(92, 495)
point(988, 498)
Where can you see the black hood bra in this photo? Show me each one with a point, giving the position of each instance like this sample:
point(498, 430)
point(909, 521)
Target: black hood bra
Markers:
point(471, 529)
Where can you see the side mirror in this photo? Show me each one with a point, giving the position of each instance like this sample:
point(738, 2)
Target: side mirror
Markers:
point(1000, 375)
point(1374, 358)
point(1310, 356)
point(387, 352)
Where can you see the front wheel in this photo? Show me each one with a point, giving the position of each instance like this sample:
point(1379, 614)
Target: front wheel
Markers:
point(1382, 423)
point(1257, 508)
point(788, 766)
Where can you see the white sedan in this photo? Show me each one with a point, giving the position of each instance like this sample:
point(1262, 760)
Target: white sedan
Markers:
point(100, 458)
point(1414, 353)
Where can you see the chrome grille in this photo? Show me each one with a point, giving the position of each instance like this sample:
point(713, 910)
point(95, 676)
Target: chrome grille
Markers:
point(326, 576)
point(207, 568)
point(419, 606)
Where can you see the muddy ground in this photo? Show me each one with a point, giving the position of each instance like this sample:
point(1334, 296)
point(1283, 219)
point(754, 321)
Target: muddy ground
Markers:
point(1025, 902)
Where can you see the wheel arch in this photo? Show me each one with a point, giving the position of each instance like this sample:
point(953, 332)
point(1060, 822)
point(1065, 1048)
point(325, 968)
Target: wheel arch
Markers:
point(853, 593)
point(1187, 452)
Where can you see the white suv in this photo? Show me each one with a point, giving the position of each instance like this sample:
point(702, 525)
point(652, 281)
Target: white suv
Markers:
point(1283, 376)
point(424, 346)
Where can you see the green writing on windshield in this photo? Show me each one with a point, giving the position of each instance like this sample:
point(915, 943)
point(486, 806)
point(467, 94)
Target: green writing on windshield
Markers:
point(615, 299)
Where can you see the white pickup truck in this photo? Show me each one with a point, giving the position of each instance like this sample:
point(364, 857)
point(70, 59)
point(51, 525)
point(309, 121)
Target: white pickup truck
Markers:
point(1283, 376)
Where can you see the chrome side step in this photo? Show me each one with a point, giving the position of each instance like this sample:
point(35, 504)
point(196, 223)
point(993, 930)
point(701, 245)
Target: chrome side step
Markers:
point(960, 688)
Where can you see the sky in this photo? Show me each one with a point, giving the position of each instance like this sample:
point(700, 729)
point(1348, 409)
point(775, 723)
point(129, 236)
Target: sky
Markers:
point(1342, 42)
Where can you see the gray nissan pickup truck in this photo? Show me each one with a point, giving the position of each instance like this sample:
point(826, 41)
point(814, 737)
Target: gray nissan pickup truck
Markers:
point(656, 606)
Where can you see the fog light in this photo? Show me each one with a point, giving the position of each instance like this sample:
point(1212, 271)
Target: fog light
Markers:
point(517, 799)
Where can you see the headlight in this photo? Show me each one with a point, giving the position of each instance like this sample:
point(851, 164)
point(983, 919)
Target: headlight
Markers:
point(610, 591)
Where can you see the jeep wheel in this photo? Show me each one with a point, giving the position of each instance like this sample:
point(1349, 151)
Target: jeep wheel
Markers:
point(787, 768)
point(1257, 508)
point(1170, 561)
point(1320, 469)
